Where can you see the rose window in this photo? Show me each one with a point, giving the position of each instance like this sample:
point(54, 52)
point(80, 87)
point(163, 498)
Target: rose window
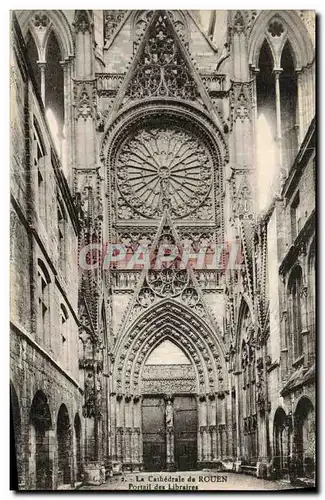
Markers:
point(160, 168)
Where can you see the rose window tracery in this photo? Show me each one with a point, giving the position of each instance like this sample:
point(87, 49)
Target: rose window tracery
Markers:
point(164, 167)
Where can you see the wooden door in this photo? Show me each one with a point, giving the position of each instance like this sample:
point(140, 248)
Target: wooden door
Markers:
point(185, 432)
point(154, 434)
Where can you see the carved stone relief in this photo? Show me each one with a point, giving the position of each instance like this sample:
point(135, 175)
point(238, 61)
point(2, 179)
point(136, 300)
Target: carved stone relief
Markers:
point(161, 70)
point(112, 18)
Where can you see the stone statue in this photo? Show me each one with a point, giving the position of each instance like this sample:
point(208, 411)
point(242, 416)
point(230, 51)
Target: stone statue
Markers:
point(169, 414)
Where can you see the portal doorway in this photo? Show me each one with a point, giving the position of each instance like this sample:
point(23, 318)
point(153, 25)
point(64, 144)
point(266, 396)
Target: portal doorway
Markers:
point(169, 430)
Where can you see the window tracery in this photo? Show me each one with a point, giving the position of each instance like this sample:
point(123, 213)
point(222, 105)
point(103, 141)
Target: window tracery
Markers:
point(277, 92)
point(159, 167)
point(162, 71)
point(176, 17)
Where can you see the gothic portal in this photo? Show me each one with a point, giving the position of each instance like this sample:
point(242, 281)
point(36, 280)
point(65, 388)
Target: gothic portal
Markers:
point(165, 156)
point(162, 243)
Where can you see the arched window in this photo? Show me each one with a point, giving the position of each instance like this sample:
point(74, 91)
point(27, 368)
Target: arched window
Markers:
point(46, 58)
point(288, 93)
point(39, 163)
point(43, 292)
point(295, 318)
point(265, 87)
point(292, 47)
point(304, 438)
point(266, 147)
point(247, 385)
point(33, 56)
point(64, 446)
point(64, 331)
point(280, 442)
point(15, 428)
point(312, 295)
point(277, 94)
point(62, 236)
point(54, 90)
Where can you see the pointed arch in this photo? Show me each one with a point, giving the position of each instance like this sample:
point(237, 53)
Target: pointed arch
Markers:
point(280, 441)
point(166, 353)
point(58, 23)
point(40, 465)
point(63, 434)
point(34, 55)
point(54, 81)
point(266, 55)
point(296, 32)
point(304, 437)
point(176, 322)
point(31, 38)
point(141, 18)
point(16, 430)
point(77, 432)
point(245, 309)
point(156, 85)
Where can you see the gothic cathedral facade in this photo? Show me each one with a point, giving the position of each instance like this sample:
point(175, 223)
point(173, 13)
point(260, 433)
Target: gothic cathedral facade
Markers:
point(133, 130)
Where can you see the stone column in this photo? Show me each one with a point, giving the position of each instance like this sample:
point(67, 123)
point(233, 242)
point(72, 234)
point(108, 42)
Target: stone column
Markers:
point(205, 435)
point(262, 410)
point(42, 66)
point(238, 416)
point(113, 426)
point(137, 436)
point(300, 118)
point(222, 440)
point(213, 434)
point(212, 427)
point(229, 422)
point(277, 73)
point(127, 449)
point(238, 391)
point(169, 416)
point(119, 443)
point(202, 428)
point(170, 462)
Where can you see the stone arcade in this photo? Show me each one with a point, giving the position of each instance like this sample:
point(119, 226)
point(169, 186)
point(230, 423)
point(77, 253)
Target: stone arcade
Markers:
point(150, 128)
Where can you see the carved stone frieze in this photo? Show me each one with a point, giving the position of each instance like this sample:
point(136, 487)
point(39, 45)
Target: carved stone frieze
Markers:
point(85, 99)
point(112, 19)
point(82, 22)
point(176, 16)
point(214, 83)
point(241, 99)
point(108, 84)
point(238, 24)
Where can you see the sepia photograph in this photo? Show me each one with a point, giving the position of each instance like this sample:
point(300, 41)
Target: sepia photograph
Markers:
point(163, 250)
